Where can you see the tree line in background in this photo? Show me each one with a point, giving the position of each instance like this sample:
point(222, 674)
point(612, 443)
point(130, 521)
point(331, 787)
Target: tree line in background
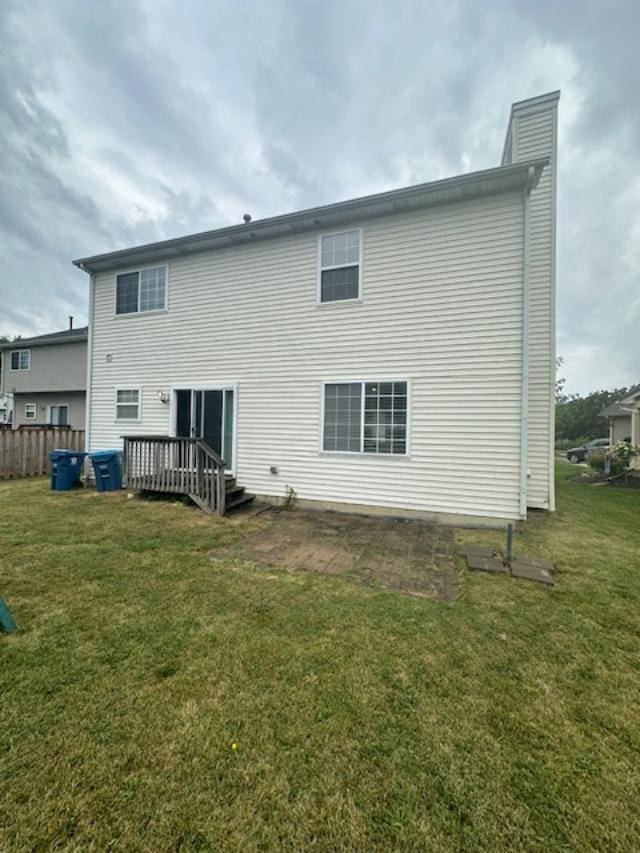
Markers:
point(578, 418)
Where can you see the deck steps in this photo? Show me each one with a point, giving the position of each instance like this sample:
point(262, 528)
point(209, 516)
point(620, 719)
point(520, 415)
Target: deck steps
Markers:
point(235, 496)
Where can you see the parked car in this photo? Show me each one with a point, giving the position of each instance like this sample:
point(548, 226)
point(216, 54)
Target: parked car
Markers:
point(579, 454)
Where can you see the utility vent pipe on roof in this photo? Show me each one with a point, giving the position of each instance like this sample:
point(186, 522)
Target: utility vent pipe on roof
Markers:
point(70, 322)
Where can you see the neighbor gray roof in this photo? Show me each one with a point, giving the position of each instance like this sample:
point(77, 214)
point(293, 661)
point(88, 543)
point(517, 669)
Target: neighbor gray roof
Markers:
point(65, 337)
point(632, 392)
point(618, 409)
point(516, 176)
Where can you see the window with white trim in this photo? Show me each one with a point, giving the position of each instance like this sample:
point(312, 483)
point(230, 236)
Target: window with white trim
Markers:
point(141, 290)
point(340, 266)
point(365, 417)
point(21, 359)
point(128, 404)
point(30, 411)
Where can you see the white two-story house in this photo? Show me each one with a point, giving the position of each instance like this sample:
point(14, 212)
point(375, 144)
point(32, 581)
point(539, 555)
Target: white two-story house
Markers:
point(393, 353)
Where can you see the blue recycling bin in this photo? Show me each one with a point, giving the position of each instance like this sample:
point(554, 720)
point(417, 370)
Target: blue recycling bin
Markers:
point(66, 468)
point(107, 469)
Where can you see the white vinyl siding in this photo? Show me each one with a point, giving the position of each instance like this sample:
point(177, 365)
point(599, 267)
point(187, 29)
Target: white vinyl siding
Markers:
point(443, 309)
point(534, 134)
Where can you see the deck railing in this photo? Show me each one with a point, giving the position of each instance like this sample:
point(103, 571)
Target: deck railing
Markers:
point(183, 466)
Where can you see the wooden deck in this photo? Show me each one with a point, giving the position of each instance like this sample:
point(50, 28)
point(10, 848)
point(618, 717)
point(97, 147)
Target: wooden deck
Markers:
point(182, 466)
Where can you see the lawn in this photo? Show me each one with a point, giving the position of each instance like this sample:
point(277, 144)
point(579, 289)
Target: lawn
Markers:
point(156, 699)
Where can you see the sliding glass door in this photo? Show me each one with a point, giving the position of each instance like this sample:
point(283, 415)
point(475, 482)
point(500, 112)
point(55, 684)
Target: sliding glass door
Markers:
point(208, 414)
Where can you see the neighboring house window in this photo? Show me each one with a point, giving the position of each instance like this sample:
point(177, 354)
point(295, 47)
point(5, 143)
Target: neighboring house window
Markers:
point(59, 415)
point(30, 411)
point(21, 359)
point(365, 417)
point(140, 291)
point(128, 404)
point(340, 266)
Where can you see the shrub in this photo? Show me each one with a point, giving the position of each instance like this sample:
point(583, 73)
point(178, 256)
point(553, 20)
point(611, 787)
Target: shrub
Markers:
point(598, 459)
point(620, 457)
point(624, 452)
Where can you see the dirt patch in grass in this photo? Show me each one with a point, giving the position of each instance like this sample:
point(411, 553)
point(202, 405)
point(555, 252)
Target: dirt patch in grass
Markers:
point(406, 556)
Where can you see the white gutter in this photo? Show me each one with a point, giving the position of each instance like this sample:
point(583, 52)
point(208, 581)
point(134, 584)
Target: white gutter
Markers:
point(87, 425)
point(524, 402)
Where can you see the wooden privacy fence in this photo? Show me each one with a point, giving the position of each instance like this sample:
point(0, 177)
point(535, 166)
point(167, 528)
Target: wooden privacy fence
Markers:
point(25, 452)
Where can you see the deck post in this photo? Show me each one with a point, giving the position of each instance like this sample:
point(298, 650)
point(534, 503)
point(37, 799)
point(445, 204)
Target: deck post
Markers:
point(221, 490)
point(125, 462)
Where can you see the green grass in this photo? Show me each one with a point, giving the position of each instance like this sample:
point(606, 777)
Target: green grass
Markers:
point(364, 720)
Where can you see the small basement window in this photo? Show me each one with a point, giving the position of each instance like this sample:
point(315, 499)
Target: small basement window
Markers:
point(30, 411)
point(128, 404)
point(21, 359)
point(141, 290)
point(365, 417)
point(340, 266)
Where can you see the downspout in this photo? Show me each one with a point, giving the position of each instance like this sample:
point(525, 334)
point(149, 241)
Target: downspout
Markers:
point(524, 403)
point(87, 425)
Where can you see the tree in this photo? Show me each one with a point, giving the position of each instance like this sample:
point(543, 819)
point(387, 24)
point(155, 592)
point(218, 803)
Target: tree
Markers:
point(579, 417)
point(560, 395)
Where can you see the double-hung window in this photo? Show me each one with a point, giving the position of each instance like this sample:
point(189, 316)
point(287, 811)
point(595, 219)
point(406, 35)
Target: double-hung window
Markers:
point(365, 417)
point(340, 266)
point(141, 290)
point(30, 411)
point(21, 359)
point(128, 404)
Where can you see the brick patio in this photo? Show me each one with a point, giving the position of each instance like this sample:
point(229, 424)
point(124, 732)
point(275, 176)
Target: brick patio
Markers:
point(410, 557)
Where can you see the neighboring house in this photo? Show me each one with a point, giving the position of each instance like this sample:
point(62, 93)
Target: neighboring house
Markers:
point(392, 353)
point(624, 419)
point(46, 377)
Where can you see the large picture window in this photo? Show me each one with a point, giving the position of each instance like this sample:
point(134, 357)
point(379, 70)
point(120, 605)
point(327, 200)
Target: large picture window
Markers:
point(141, 291)
point(340, 266)
point(365, 417)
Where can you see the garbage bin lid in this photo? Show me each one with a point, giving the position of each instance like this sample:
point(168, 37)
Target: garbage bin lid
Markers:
point(63, 452)
point(103, 454)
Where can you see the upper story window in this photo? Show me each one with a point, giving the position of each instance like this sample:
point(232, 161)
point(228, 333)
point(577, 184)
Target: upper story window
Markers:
point(30, 411)
point(141, 290)
point(340, 266)
point(21, 359)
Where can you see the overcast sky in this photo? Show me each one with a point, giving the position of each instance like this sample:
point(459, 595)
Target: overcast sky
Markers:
point(125, 121)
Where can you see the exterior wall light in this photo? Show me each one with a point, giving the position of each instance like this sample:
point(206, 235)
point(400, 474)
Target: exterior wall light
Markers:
point(163, 396)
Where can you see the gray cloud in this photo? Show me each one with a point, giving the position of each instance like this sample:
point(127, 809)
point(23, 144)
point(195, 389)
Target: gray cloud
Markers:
point(123, 122)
